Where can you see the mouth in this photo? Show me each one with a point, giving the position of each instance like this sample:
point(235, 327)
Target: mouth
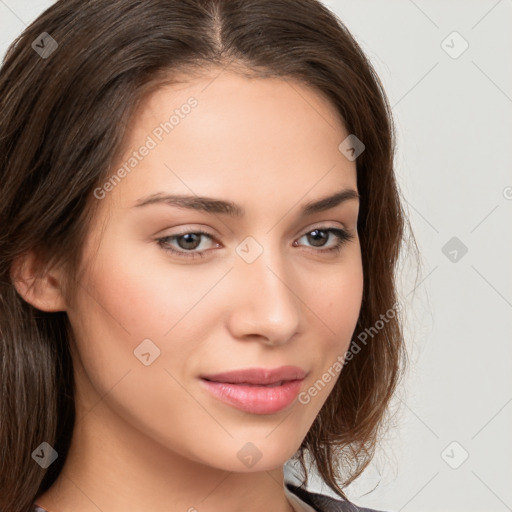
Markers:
point(272, 385)
point(256, 390)
point(258, 376)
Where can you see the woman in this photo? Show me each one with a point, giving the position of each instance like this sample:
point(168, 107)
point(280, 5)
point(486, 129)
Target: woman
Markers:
point(200, 230)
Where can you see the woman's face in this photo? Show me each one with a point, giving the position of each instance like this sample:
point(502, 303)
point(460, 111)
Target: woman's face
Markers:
point(260, 289)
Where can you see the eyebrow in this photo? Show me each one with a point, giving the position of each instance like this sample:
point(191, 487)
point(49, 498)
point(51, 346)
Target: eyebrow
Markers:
point(212, 205)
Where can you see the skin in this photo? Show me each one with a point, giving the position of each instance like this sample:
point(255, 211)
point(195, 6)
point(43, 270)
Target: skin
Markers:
point(150, 437)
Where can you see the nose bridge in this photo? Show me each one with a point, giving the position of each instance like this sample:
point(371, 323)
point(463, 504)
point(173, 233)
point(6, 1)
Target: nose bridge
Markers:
point(266, 303)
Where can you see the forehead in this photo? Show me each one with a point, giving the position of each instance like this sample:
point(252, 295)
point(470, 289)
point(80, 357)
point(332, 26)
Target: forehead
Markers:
point(230, 135)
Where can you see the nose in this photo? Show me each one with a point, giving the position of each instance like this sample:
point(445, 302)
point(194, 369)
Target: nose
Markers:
point(264, 303)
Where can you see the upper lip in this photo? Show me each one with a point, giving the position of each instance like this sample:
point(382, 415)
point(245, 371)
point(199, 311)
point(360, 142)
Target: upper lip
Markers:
point(260, 376)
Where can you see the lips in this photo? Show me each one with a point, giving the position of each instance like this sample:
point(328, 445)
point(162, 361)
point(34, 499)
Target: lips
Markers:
point(258, 376)
point(256, 390)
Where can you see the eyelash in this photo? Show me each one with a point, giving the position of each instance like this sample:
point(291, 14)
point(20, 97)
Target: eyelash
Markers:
point(342, 236)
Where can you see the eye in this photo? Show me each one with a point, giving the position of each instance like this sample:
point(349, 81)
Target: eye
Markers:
point(190, 240)
point(187, 241)
point(319, 235)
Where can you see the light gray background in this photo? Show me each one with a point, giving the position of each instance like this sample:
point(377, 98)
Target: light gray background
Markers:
point(454, 128)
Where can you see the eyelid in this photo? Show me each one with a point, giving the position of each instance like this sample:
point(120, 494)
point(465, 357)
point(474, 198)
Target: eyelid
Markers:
point(342, 236)
point(205, 231)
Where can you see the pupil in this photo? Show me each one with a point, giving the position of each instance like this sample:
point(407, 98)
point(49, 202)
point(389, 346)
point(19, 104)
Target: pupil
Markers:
point(317, 238)
point(187, 238)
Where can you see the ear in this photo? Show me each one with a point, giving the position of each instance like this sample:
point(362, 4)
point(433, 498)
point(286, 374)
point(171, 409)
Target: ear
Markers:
point(41, 288)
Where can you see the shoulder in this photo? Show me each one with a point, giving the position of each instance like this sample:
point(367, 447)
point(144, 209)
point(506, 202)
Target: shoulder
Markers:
point(323, 503)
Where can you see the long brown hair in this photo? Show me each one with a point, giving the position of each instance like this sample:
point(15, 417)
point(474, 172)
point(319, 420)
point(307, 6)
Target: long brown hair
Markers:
point(63, 115)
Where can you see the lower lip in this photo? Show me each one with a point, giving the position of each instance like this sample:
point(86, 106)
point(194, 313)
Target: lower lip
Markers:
point(255, 399)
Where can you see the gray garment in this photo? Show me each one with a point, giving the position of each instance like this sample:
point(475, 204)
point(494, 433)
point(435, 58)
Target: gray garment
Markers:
point(323, 503)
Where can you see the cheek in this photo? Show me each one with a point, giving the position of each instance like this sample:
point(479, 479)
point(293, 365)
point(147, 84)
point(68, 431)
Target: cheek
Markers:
point(121, 303)
point(129, 295)
point(134, 293)
point(338, 311)
point(337, 302)
point(337, 305)
point(345, 310)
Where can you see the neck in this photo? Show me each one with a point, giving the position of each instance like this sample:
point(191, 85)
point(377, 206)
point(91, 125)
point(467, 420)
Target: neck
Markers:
point(111, 465)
